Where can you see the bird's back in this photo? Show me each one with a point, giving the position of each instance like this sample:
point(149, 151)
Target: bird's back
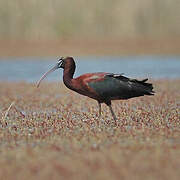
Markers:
point(116, 86)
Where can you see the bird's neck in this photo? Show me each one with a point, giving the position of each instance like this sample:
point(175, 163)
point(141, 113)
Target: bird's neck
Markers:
point(68, 77)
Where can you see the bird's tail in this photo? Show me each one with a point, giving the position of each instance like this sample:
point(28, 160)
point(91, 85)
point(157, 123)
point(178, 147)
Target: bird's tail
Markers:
point(147, 87)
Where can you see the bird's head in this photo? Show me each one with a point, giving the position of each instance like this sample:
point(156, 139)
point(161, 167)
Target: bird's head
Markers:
point(63, 62)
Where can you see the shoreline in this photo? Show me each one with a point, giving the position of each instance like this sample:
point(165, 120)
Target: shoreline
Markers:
point(98, 47)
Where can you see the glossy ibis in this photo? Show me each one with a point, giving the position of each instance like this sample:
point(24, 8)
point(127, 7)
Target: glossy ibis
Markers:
point(101, 86)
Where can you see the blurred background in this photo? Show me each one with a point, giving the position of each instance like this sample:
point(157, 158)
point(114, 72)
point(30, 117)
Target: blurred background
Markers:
point(85, 26)
point(44, 19)
point(54, 28)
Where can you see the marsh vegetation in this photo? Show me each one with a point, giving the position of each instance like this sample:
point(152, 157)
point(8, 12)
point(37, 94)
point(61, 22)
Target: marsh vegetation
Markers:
point(56, 133)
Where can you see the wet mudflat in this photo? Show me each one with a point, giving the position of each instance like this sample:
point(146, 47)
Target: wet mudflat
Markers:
point(52, 132)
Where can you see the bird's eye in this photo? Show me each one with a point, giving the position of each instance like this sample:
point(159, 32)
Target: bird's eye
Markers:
point(60, 59)
point(59, 62)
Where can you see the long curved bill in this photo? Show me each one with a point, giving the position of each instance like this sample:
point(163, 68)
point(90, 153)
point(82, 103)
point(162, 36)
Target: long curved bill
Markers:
point(44, 75)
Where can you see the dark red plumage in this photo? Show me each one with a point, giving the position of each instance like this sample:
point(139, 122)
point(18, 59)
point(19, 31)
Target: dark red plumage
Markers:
point(101, 86)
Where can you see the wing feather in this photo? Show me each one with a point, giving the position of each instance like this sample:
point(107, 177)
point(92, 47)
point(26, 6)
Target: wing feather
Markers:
point(117, 86)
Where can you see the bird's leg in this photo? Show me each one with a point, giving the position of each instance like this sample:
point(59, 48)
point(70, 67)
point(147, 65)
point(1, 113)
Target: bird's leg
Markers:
point(113, 115)
point(99, 109)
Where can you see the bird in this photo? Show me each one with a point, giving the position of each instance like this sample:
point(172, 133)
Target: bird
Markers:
point(101, 86)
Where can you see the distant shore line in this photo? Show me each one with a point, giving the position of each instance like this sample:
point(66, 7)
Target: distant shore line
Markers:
point(127, 46)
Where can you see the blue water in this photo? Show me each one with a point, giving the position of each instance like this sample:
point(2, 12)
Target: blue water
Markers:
point(31, 69)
